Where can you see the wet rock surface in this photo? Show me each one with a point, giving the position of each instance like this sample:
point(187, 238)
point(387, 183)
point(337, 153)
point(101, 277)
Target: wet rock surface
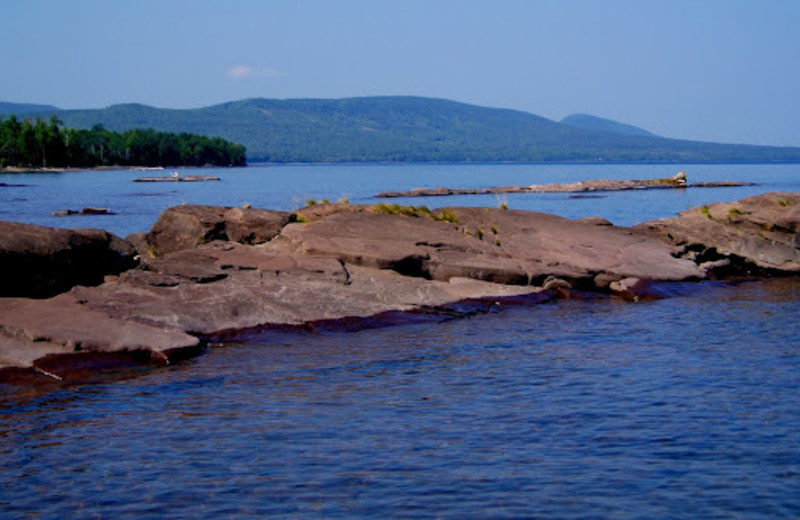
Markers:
point(209, 273)
point(32, 329)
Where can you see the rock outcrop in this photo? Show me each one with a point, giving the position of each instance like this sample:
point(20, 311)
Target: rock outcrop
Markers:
point(223, 288)
point(208, 272)
point(185, 227)
point(38, 262)
point(501, 246)
point(756, 234)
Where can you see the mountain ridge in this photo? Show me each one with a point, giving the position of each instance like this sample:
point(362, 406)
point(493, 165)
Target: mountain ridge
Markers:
point(412, 129)
point(590, 122)
point(7, 107)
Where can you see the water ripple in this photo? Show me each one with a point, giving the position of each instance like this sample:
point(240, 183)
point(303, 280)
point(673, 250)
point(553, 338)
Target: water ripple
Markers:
point(681, 408)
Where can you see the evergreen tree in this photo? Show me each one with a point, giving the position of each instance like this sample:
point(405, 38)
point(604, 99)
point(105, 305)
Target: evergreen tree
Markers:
point(33, 144)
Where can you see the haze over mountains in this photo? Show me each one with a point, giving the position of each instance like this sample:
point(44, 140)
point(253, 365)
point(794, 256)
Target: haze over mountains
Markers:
point(404, 128)
point(599, 124)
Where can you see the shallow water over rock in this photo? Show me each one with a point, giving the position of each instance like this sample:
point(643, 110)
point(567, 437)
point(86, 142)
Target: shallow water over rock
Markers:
point(678, 408)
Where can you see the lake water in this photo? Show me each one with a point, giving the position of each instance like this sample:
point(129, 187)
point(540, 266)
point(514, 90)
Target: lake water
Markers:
point(138, 205)
point(687, 407)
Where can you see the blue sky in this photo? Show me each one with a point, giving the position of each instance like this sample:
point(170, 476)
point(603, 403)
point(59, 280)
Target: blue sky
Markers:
point(712, 70)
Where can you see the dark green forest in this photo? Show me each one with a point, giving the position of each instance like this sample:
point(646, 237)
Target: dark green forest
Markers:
point(37, 143)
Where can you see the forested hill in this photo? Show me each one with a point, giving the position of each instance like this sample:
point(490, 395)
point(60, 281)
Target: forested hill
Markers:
point(36, 143)
point(26, 108)
point(412, 129)
point(589, 122)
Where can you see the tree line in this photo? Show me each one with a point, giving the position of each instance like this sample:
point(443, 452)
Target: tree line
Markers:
point(47, 144)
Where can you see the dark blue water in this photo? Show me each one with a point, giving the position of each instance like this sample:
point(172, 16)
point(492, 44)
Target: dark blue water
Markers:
point(687, 407)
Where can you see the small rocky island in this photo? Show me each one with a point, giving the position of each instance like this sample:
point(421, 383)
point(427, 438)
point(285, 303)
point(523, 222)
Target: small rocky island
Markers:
point(91, 210)
point(77, 301)
point(177, 177)
point(595, 185)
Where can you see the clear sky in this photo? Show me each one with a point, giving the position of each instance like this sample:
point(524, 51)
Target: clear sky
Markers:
point(712, 70)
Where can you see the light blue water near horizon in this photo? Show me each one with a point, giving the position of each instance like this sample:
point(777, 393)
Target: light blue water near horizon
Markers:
point(33, 197)
point(687, 407)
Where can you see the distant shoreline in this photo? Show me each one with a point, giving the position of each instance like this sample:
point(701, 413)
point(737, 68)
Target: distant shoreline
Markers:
point(263, 164)
point(257, 164)
point(16, 169)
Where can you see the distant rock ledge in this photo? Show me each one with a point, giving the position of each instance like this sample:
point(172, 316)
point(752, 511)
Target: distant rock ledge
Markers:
point(91, 210)
point(597, 185)
point(77, 301)
point(176, 177)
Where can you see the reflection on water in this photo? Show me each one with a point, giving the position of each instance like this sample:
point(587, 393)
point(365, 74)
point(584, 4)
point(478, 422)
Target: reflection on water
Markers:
point(681, 408)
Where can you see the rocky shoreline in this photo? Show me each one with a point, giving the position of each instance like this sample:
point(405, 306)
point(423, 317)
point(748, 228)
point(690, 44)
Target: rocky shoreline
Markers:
point(65, 169)
point(77, 302)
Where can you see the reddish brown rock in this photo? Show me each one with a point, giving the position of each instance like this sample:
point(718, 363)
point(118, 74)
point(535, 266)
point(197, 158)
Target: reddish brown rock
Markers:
point(511, 247)
point(576, 250)
point(417, 247)
point(186, 227)
point(33, 329)
point(38, 262)
point(229, 271)
point(270, 285)
point(756, 233)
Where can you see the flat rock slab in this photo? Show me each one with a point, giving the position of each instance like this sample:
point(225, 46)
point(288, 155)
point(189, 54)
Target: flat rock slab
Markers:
point(502, 246)
point(209, 272)
point(577, 250)
point(31, 329)
point(266, 286)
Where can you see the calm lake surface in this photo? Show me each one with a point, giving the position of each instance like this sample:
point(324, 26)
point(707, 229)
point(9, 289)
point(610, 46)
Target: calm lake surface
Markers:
point(687, 407)
point(33, 197)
